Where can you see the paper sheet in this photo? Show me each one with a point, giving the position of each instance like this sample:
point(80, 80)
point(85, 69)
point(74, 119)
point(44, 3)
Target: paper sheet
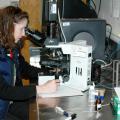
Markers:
point(63, 91)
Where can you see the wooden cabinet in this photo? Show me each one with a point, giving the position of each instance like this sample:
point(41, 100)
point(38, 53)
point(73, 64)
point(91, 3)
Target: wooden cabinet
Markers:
point(34, 9)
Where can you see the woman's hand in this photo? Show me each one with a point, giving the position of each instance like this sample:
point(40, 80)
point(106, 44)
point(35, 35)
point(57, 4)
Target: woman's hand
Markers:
point(48, 87)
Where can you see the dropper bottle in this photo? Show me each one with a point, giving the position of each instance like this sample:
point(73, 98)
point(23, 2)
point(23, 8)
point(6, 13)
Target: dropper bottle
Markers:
point(92, 93)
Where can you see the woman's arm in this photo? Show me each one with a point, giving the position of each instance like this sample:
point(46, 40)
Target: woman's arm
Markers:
point(16, 92)
point(28, 71)
point(21, 93)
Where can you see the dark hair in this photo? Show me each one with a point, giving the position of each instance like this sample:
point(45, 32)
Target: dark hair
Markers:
point(8, 16)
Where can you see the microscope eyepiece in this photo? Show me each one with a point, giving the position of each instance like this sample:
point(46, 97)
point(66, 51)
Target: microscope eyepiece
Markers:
point(32, 33)
point(37, 37)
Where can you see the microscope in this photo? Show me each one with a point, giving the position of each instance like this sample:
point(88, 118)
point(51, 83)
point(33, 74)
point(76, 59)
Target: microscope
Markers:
point(70, 60)
point(73, 59)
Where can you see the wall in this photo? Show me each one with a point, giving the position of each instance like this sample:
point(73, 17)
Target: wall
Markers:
point(110, 10)
point(4, 3)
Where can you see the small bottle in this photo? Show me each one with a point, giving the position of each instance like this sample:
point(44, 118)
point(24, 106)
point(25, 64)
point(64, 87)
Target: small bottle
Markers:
point(98, 105)
point(92, 94)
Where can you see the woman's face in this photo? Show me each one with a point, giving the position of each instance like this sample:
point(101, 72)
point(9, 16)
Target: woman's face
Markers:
point(19, 29)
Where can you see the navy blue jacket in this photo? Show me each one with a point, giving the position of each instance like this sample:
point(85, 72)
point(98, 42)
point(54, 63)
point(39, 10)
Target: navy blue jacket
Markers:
point(10, 91)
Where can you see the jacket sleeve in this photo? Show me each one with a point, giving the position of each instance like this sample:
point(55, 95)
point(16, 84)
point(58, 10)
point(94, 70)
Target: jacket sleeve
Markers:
point(16, 93)
point(30, 72)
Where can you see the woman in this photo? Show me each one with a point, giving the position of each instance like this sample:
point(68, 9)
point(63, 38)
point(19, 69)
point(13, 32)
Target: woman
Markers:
point(13, 67)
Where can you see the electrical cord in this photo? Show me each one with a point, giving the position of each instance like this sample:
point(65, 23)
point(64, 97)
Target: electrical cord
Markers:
point(99, 60)
point(99, 7)
point(107, 44)
point(60, 24)
point(109, 25)
point(108, 41)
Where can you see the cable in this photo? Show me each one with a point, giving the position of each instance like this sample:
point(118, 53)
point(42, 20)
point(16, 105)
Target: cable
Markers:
point(108, 46)
point(99, 60)
point(99, 7)
point(110, 31)
point(61, 26)
point(107, 65)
